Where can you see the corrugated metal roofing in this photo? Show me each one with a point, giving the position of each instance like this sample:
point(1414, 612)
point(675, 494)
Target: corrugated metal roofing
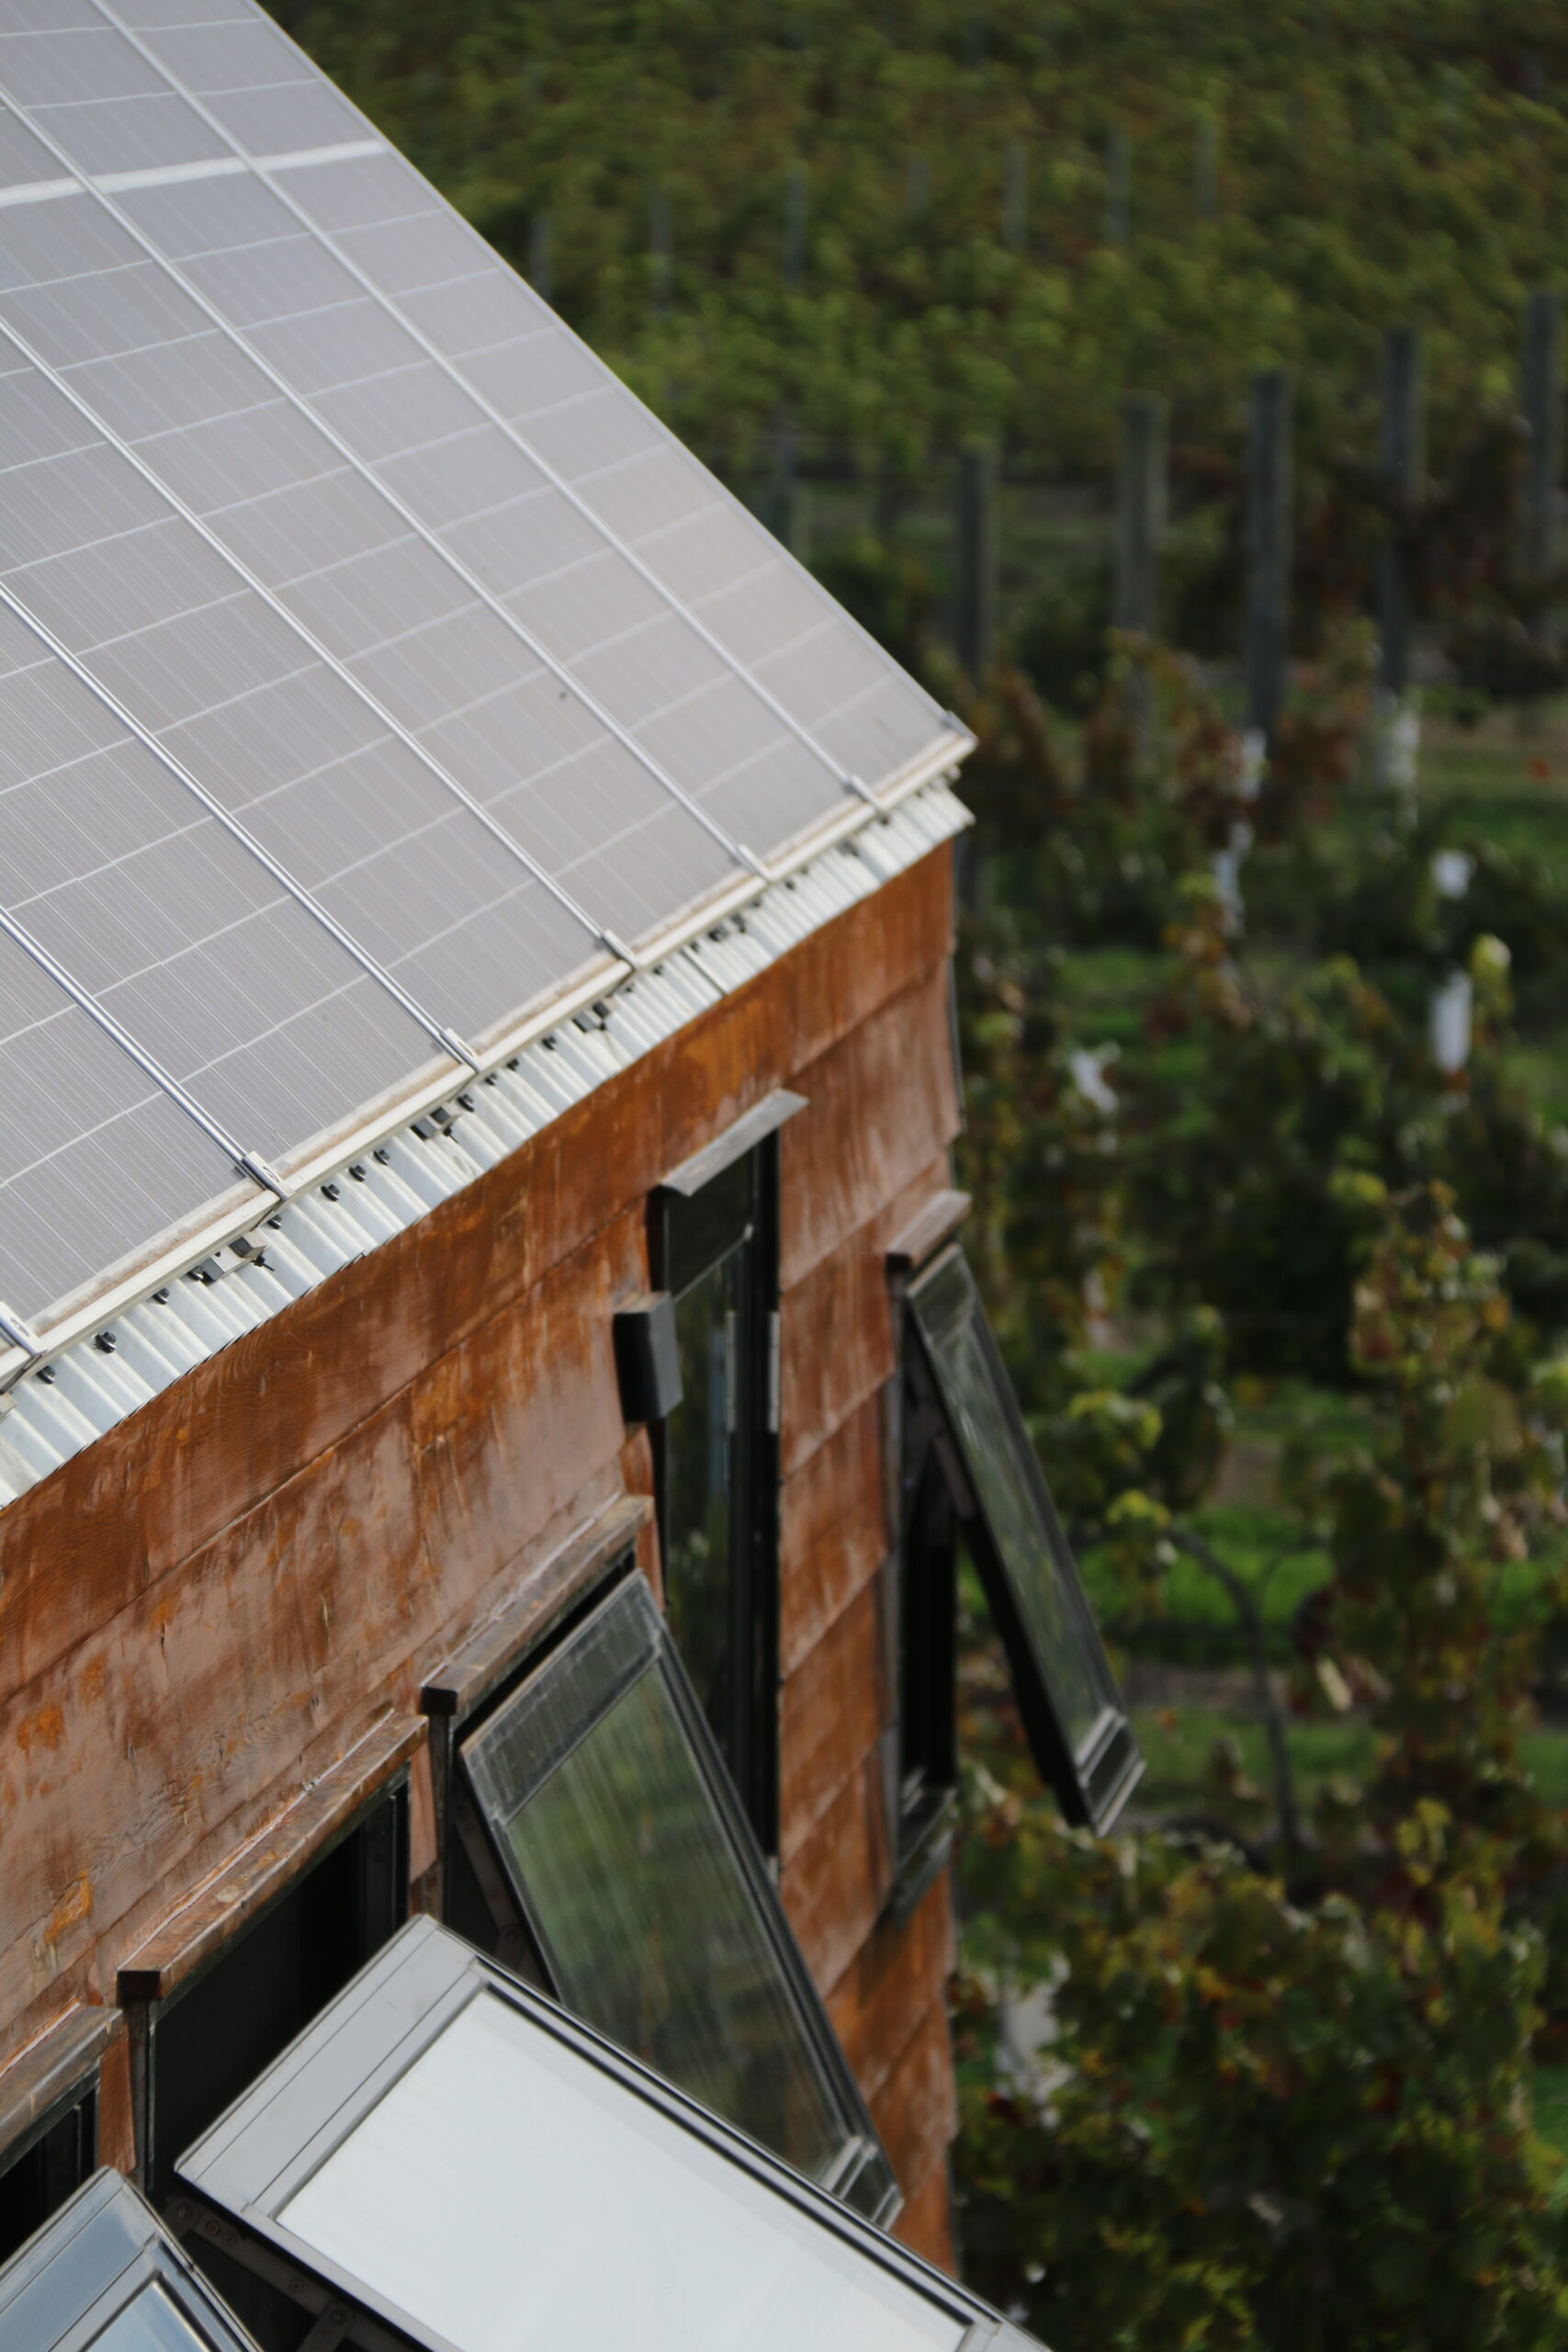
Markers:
point(378, 680)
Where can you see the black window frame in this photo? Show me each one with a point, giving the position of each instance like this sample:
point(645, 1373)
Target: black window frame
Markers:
point(864, 2178)
point(375, 1839)
point(1093, 1783)
point(749, 1734)
point(239, 2181)
point(49, 2122)
point(101, 2251)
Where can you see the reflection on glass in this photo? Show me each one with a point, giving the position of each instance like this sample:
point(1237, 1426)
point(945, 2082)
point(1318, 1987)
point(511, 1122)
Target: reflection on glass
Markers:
point(150, 2324)
point(654, 1934)
point(1012, 1494)
point(625, 1865)
point(512, 2197)
point(700, 1504)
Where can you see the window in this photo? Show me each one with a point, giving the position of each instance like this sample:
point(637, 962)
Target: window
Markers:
point(207, 2040)
point(1067, 1696)
point(106, 2273)
point(449, 2153)
point(716, 1251)
point(616, 1859)
point(210, 2001)
point(925, 1567)
point(49, 2121)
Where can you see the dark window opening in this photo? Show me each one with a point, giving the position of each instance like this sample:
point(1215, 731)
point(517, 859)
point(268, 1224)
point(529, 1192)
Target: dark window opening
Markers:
point(210, 2040)
point(926, 1570)
point(49, 2166)
point(716, 1251)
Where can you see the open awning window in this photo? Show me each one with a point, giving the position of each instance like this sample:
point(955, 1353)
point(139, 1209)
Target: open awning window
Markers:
point(617, 1829)
point(448, 2153)
point(1066, 1693)
point(105, 2274)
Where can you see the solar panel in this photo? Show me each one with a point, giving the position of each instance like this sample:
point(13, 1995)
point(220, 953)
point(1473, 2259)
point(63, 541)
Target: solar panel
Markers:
point(93, 1156)
point(163, 621)
point(129, 881)
point(386, 604)
point(422, 317)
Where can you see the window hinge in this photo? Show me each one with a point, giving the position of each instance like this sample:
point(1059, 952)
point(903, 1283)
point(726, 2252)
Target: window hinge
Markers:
point(775, 1379)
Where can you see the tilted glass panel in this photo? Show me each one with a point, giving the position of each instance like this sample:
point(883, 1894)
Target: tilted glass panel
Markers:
point(197, 409)
point(103, 2275)
point(617, 632)
point(94, 1160)
point(152, 2324)
point(1027, 1546)
point(509, 2197)
point(629, 1875)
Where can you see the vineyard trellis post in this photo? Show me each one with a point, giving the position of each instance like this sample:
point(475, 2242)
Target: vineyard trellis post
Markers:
point(1269, 482)
point(1141, 503)
point(1402, 469)
point(1015, 196)
point(975, 615)
point(1541, 400)
point(1119, 188)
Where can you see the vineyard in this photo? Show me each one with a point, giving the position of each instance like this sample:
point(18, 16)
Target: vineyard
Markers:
point(1267, 1111)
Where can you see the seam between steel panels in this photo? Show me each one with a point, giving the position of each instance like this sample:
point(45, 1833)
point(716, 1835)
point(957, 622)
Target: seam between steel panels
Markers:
point(280, 874)
point(675, 604)
point(252, 581)
point(298, 400)
point(248, 1163)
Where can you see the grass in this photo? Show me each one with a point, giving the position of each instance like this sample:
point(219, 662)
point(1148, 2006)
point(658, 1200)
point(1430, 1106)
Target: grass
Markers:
point(1178, 1744)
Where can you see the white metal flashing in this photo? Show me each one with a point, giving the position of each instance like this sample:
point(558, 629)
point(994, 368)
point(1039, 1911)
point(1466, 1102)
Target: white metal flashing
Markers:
point(64, 1386)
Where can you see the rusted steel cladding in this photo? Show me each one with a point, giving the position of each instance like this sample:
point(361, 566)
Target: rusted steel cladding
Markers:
point(205, 1610)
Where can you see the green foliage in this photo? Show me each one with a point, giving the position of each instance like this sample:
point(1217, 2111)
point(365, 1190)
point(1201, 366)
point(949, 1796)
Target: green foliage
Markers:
point(1376, 163)
point(1252, 2125)
point(1464, 1473)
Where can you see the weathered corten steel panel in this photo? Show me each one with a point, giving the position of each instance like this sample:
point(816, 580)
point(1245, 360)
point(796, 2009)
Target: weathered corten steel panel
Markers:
point(834, 1709)
point(203, 1611)
point(833, 1530)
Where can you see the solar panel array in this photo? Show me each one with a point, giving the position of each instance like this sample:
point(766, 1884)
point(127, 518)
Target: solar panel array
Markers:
point(372, 664)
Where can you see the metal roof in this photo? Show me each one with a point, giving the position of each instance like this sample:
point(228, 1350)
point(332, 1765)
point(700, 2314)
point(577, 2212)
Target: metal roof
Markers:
point(379, 681)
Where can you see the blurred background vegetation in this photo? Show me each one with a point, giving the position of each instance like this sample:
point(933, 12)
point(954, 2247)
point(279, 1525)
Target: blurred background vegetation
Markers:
point(1282, 1282)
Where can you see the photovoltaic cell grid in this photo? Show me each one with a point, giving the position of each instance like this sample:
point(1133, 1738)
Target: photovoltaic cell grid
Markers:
point(128, 882)
point(635, 487)
point(366, 437)
point(195, 406)
point(165, 623)
point(93, 1158)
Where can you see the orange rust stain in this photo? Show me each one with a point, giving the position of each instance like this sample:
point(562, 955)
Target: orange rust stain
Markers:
point(74, 1905)
point(47, 1727)
point(92, 1684)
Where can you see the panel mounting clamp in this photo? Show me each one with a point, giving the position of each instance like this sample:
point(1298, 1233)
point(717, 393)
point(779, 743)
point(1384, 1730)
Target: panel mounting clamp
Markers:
point(19, 1332)
point(252, 1164)
point(459, 1051)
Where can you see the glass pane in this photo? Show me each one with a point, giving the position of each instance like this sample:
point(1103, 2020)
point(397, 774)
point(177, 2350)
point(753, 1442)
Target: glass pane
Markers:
point(152, 2324)
point(699, 1229)
point(1012, 1494)
point(512, 2198)
point(655, 1935)
point(700, 1501)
